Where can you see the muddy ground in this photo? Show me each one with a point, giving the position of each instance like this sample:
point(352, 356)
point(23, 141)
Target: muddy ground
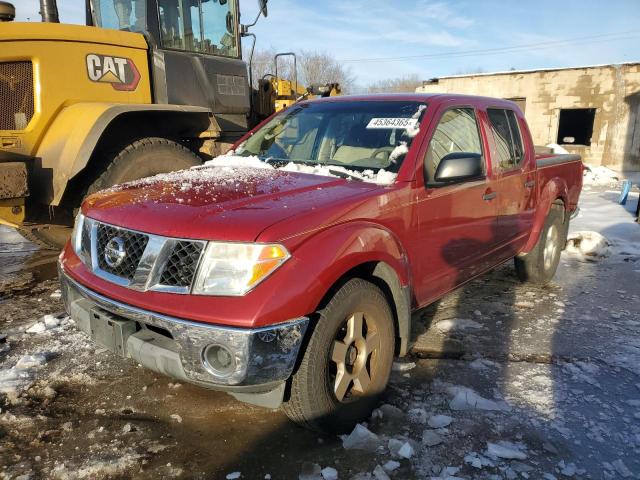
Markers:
point(532, 383)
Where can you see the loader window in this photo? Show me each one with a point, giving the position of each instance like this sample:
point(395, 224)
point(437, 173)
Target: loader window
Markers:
point(127, 15)
point(207, 26)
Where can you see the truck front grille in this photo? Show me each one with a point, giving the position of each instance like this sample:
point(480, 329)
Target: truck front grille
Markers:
point(16, 95)
point(181, 265)
point(148, 262)
point(131, 243)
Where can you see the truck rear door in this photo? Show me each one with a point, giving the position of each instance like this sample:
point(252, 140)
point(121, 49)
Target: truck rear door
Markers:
point(515, 176)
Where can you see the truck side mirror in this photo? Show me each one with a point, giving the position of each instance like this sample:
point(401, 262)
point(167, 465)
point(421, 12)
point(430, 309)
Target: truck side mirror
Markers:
point(459, 167)
point(263, 7)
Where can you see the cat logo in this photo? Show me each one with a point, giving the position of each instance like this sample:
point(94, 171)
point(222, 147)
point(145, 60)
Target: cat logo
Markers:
point(121, 73)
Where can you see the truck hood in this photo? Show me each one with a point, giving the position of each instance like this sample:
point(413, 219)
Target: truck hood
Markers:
point(217, 203)
point(70, 33)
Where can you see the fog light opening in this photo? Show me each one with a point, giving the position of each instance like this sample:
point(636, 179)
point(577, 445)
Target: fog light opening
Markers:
point(219, 360)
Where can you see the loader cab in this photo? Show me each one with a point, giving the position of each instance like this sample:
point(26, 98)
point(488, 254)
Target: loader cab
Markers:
point(195, 52)
point(198, 26)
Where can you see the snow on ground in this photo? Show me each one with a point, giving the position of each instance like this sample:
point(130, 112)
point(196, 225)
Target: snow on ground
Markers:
point(526, 382)
point(599, 175)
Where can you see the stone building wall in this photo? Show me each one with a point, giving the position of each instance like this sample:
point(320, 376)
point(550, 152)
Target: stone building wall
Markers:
point(613, 90)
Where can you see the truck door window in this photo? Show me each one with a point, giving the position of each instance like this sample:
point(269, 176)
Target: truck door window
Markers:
point(506, 134)
point(457, 131)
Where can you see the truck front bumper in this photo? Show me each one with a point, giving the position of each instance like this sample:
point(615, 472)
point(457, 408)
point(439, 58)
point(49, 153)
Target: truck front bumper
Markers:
point(251, 364)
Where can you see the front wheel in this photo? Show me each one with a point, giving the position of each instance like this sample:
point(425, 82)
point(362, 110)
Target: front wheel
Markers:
point(540, 265)
point(347, 363)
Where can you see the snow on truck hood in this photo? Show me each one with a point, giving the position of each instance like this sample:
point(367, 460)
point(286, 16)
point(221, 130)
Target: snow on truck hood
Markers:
point(229, 198)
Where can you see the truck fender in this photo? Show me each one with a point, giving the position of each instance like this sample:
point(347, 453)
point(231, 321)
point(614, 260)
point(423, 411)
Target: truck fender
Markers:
point(555, 189)
point(340, 250)
point(72, 137)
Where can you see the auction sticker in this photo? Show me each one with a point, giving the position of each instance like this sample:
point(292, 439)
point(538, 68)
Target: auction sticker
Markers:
point(403, 123)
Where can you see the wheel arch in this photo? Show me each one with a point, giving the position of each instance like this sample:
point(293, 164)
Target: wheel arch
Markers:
point(70, 145)
point(555, 192)
point(398, 296)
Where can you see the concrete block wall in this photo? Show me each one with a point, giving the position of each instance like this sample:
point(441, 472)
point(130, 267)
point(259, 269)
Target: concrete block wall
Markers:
point(613, 90)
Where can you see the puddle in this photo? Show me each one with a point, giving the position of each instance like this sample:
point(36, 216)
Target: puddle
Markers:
point(20, 257)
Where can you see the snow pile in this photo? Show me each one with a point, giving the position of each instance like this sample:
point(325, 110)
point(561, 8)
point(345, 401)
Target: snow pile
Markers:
point(557, 149)
point(477, 461)
point(506, 450)
point(48, 322)
point(237, 161)
point(227, 171)
point(440, 421)
point(465, 398)
point(105, 468)
point(381, 177)
point(19, 377)
point(400, 448)
point(452, 324)
point(431, 438)
point(361, 438)
point(588, 245)
point(600, 175)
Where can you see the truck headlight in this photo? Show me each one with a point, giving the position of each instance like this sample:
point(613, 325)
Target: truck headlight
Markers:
point(235, 268)
point(76, 235)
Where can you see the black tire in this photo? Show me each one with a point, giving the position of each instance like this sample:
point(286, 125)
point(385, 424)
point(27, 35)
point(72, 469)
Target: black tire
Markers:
point(540, 264)
point(313, 401)
point(52, 238)
point(142, 158)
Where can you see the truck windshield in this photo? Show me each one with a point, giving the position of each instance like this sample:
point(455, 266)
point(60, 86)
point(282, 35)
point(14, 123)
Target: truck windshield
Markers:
point(128, 15)
point(356, 135)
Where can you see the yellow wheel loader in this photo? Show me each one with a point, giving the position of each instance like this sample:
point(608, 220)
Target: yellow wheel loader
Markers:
point(145, 87)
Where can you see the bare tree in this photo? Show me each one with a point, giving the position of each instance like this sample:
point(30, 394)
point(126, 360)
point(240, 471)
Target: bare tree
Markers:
point(313, 68)
point(407, 83)
point(322, 68)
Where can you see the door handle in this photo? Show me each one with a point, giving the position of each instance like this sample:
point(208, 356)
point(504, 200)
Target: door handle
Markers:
point(530, 183)
point(489, 196)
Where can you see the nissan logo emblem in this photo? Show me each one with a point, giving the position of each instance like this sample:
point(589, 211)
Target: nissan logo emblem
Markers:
point(114, 252)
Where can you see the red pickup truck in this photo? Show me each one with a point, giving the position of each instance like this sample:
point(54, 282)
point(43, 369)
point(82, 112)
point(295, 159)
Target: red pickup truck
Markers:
point(286, 272)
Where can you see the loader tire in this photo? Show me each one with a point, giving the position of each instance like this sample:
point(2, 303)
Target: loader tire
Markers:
point(540, 264)
point(142, 158)
point(52, 238)
point(347, 362)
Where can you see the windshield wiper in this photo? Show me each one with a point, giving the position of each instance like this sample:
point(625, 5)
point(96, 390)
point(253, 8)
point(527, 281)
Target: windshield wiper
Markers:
point(345, 175)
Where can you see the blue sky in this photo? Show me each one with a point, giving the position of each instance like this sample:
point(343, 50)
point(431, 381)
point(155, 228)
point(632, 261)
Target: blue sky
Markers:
point(461, 30)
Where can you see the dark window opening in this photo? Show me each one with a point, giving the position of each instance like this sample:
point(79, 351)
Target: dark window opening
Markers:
point(575, 126)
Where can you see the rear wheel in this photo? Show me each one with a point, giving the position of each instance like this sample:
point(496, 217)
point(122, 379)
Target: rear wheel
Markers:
point(540, 265)
point(347, 363)
point(142, 158)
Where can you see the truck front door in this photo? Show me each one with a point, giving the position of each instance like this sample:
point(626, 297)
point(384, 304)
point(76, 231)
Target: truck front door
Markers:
point(456, 224)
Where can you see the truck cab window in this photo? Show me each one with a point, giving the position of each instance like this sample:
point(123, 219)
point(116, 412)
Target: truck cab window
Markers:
point(126, 15)
point(507, 137)
point(457, 131)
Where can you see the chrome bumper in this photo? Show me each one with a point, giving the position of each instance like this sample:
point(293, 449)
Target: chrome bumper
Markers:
point(264, 358)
